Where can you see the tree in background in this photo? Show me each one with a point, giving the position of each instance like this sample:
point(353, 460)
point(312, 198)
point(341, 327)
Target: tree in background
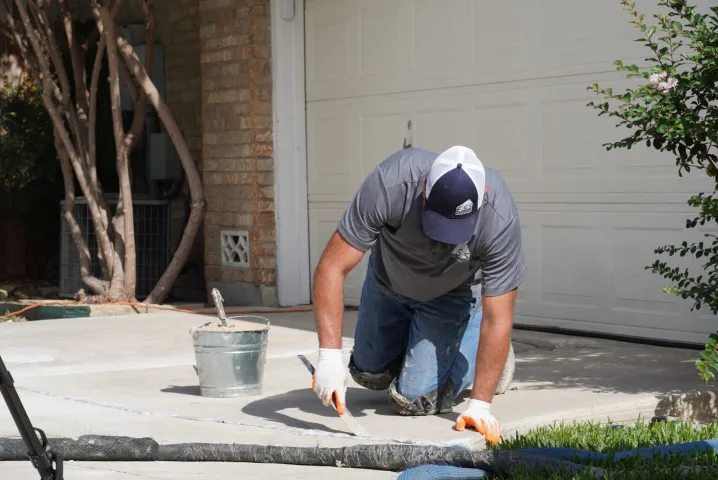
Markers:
point(25, 141)
point(675, 109)
point(46, 36)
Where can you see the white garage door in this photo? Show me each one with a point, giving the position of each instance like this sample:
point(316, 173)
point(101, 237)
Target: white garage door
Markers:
point(507, 78)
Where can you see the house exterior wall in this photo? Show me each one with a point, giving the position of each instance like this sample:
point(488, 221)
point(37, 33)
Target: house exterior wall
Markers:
point(237, 145)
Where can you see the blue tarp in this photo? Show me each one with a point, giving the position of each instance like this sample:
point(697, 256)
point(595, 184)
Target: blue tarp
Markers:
point(444, 472)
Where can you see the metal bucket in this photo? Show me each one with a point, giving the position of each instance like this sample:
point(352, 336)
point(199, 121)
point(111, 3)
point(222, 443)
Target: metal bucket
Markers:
point(231, 363)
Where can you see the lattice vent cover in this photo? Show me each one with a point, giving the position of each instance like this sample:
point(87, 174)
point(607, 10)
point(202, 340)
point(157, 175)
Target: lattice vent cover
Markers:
point(235, 248)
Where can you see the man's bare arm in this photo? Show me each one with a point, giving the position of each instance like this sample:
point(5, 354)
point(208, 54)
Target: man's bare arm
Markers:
point(337, 260)
point(494, 342)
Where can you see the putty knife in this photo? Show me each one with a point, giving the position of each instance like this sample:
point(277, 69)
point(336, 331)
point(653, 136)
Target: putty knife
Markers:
point(348, 418)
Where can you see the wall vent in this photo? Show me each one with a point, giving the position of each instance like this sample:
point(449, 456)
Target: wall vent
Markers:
point(235, 248)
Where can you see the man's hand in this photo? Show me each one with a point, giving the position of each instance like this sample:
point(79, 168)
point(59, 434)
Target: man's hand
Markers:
point(478, 415)
point(329, 381)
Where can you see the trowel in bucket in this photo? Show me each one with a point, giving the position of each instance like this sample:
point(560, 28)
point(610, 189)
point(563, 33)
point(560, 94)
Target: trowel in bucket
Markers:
point(348, 418)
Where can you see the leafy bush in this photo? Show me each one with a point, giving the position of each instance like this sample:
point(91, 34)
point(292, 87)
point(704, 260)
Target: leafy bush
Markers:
point(27, 161)
point(675, 109)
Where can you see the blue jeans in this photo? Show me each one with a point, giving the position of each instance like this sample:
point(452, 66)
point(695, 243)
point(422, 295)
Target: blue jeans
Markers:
point(423, 352)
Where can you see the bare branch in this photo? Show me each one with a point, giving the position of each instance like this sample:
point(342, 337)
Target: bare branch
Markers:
point(94, 81)
point(78, 65)
point(129, 82)
point(45, 73)
point(96, 285)
point(138, 122)
point(54, 52)
point(82, 95)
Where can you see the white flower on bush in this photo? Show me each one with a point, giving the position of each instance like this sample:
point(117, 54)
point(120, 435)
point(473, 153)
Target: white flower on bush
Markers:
point(662, 82)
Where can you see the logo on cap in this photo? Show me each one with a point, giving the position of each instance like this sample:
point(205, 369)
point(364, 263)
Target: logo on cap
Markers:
point(465, 208)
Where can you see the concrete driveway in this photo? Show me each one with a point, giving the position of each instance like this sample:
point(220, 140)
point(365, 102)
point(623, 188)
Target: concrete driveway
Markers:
point(134, 376)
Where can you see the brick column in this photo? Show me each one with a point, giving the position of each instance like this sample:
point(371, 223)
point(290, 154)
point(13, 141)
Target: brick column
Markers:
point(237, 148)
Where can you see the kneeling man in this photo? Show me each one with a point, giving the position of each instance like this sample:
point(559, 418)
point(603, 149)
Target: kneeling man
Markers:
point(441, 228)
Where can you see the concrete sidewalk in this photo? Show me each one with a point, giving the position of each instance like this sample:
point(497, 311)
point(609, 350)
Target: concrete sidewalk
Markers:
point(132, 375)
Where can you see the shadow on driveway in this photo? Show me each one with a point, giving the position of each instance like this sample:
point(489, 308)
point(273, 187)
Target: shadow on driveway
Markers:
point(362, 402)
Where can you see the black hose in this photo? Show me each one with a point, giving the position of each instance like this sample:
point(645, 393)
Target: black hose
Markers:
point(88, 448)
point(373, 457)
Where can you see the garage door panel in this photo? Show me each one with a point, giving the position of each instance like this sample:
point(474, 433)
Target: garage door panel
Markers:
point(335, 163)
point(542, 138)
point(385, 48)
point(587, 33)
point(589, 267)
point(579, 277)
point(442, 37)
point(330, 39)
point(496, 139)
point(438, 129)
point(633, 286)
point(366, 47)
point(501, 36)
point(381, 135)
point(568, 151)
point(529, 291)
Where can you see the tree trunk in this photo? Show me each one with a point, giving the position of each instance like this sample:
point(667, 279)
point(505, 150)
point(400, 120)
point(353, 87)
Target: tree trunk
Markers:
point(161, 290)
point(123, 173)
point(116, 291)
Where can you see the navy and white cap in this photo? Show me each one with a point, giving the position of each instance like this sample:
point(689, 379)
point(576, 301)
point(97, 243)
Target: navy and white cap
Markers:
point(454, 191)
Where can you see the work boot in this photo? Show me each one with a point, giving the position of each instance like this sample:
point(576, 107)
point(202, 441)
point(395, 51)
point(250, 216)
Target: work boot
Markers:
point(374, 381)
point(440, 400)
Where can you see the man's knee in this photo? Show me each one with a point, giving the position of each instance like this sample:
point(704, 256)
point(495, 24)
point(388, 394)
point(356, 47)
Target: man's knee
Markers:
point(439, 400)
point(374, 381)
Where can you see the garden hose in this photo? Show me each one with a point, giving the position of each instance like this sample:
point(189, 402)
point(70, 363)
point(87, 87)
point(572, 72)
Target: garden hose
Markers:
point(374, 457)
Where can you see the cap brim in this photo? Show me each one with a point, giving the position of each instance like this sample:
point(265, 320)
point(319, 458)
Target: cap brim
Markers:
point(453, 231)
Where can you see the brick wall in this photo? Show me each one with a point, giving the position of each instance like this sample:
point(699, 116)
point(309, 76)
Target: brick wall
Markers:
point(237, 148)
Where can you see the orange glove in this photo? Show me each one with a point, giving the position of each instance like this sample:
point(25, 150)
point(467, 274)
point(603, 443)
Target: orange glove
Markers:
point(478, 415)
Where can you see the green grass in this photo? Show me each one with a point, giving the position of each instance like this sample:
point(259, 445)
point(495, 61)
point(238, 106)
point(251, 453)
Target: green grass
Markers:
point(610, 439)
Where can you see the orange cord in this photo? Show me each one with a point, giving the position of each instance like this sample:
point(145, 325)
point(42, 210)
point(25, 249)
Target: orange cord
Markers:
point(157, 307)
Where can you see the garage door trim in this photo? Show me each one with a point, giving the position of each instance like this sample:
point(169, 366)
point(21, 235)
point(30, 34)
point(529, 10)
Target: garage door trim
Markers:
point(290, 153)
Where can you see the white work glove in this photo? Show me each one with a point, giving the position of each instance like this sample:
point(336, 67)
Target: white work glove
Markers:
point(478, 415)
point(329, 381)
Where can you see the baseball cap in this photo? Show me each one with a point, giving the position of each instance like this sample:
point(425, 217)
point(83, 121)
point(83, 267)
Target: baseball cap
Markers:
point(454, 192)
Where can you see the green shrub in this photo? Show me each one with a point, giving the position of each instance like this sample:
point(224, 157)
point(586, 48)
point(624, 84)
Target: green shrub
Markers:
point(28, 165)
point(675, 109)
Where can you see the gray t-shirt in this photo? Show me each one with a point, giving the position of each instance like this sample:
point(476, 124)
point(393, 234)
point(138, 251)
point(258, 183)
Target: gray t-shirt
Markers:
point(385, 216)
